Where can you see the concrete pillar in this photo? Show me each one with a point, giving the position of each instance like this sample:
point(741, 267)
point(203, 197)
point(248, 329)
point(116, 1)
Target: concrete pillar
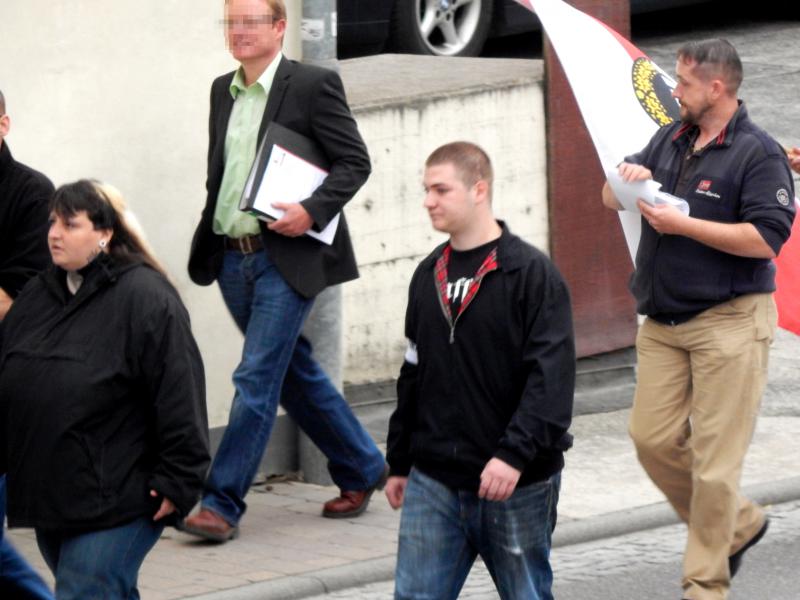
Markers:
point(318, 33)
point(586, 239)
point(324, 325)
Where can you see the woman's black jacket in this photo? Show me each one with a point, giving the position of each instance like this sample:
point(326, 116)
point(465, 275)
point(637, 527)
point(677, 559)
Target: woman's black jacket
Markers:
point(102, 398)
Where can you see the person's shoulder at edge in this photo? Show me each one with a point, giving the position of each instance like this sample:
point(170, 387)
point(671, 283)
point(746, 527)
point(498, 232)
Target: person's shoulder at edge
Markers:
point(36, 178)
point(36, 184)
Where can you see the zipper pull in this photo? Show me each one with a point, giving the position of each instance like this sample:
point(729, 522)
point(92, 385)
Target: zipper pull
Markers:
point(452, 334)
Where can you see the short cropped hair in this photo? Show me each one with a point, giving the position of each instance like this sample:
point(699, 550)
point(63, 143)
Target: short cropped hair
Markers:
point(278, 8)
point(470, 161)
point(2, 103)
point(714, 58)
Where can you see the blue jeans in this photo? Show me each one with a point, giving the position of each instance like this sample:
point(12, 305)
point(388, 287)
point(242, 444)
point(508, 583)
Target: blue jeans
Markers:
point(99, 565)
point(443, 530)
point(17, 577)
point(277, 366)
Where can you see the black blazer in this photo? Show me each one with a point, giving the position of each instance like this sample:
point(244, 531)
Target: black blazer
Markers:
point(309, 100)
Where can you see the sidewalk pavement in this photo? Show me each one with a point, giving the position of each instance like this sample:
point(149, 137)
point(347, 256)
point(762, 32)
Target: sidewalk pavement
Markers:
point(287, 550)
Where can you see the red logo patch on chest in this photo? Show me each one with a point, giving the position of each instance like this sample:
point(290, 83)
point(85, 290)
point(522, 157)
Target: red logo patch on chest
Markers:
point(704, 185)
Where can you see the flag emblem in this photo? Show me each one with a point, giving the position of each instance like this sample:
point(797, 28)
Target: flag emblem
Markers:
point(654, 92)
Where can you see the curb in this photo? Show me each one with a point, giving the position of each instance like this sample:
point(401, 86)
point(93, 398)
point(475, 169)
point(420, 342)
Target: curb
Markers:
point(319, 582)
point(569, 533)
point(653, 516)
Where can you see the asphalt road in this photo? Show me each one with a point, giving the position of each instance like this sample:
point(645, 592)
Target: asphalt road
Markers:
point(644, 566)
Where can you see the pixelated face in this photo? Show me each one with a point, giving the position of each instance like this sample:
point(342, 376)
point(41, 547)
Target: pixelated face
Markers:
point(449, 201)
point(692, 93)
point(251, 32)
point(73, 241)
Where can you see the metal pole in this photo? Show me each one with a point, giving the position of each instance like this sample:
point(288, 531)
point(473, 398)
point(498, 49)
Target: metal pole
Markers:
point(318, 33)
point(324, 325)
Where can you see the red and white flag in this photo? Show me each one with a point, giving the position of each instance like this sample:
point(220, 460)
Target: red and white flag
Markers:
point(787, 279)
point(624, 98)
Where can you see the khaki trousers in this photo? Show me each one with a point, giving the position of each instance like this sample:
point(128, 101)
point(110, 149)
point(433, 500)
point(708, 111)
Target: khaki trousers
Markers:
point(699, 387)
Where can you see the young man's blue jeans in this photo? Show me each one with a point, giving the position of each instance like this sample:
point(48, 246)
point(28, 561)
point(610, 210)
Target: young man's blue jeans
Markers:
point(275, 359)
point(443, 530)
point(17, 577)
point(99, 565)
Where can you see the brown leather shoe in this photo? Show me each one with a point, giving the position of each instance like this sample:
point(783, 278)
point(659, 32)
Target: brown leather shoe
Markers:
point(210, 526)
point(351, 503)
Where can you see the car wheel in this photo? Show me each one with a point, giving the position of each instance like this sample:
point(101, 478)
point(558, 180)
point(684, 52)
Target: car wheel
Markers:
point(441, 27)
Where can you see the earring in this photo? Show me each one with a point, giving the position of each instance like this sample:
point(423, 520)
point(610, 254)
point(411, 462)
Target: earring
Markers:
point(102, 243)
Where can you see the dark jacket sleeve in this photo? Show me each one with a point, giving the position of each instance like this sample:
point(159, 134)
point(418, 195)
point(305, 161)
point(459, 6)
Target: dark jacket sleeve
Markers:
point(3, 414)
point(401, 423)
point(27, 254)
point(645, 156)
point(335, 129)
point(767, 198)
point(545, 410)
point(171, 364)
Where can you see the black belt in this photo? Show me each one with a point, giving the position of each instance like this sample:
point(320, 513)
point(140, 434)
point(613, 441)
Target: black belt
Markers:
point(246, 245)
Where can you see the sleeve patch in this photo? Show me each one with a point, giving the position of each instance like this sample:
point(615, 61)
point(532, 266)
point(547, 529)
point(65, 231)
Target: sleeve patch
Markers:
point(411, 353)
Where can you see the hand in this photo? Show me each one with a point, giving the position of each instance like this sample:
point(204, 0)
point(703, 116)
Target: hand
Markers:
point(294, 222)
point(794, 159)
point(395, 490)
point(498, 480)
point(166, 508)
point(631, 172)
point(664, 218)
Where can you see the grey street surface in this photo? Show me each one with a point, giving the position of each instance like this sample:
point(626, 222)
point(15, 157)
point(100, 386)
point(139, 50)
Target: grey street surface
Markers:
point(286, 550)
point(615, 539)
point(644, 565)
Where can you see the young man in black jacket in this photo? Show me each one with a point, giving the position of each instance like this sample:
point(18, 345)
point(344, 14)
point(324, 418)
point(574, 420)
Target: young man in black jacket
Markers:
point(484, 397)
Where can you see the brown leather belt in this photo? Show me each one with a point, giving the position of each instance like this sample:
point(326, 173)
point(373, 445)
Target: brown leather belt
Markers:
point(246, 245)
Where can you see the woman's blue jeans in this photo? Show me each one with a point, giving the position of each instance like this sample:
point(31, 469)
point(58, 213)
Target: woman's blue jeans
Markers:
point(277, 367)
point(443, 530)
point(99, 565)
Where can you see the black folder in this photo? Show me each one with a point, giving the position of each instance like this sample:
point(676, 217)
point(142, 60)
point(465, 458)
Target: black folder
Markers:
point(296, 143)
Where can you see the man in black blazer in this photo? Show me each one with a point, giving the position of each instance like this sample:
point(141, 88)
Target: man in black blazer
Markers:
point(270, 273)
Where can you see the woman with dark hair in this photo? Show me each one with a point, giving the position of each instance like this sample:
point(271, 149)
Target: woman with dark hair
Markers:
point(103, 429)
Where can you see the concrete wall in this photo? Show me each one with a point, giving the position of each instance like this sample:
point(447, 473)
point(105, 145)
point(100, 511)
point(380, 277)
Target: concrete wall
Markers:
point(118, 91)
point(497, 104)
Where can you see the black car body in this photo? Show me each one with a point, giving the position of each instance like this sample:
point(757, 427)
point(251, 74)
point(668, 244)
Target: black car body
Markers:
point(373, 26)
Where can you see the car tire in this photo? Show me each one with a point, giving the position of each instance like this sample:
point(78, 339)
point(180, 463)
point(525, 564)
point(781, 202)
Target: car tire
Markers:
point(440, 27)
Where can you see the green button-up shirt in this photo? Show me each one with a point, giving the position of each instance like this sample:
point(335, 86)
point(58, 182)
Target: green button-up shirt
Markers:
point(241, 139)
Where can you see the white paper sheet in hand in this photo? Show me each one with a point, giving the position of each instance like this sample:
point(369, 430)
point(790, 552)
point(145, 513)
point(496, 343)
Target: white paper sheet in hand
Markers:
point(648, 190)
point(289, 178)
